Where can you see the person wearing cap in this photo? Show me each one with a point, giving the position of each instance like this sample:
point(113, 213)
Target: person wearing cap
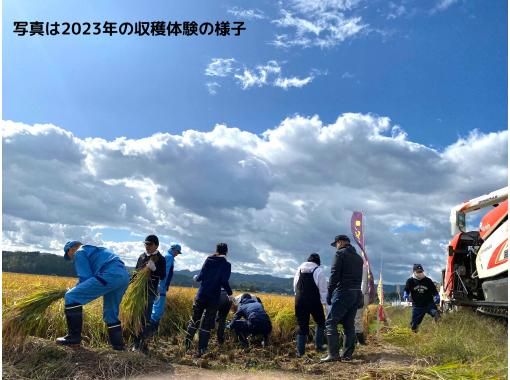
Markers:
point(250, 319)
point(344, 296)
point(311, 290)
point(100, 273)
point(214, 275)
point(153, 260)
point(424, 296)
point(159, 304)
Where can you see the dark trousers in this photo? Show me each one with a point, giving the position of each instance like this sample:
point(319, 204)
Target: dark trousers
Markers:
point(208, 309)
point(223, 310)
point(343, 310)
point(243, 328)
point(420, 311)
point(303, 310)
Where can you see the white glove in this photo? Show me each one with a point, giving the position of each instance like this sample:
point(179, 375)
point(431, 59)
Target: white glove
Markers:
point(195, 277)
point(151, 265)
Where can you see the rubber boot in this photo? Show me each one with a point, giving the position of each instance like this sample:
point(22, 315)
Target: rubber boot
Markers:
point(190, 334)
point(220, 332)
point(115, 336)
point(361, 338)
point(265, 340)
point(333, 348)
point(300, 345)
point(319, 339)
point(140, 345)
point(243, 339)
point(203, 341)
point(74, 318)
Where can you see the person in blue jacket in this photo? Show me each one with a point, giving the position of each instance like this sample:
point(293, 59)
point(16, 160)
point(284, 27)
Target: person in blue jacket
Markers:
point(159, 305)
point(100, 273)
point(214, 275)
point(255, 322)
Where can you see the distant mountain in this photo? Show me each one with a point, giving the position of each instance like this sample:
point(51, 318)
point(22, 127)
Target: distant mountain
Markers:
point(45, 263)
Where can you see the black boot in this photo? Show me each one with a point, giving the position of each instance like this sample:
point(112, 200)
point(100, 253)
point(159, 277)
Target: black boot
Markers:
point(190, 334)
point(361, 338)
point(115, 336)
point(74, 317)
point(333, 348)
point(243, 339)
point(300, 345)
point(203, 341)
point(319, 339)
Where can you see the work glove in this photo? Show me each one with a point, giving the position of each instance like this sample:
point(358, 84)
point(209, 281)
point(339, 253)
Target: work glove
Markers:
point(151, 265)
point(231, 298)
point(195, 277)
point(436, 299)
point(328, 299)
point(406, 296)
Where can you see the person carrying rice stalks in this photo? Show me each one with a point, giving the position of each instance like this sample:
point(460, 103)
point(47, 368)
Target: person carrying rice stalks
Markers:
point(156, 263)
point(100, 273)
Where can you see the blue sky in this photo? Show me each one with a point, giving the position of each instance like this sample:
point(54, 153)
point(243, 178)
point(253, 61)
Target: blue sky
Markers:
point(267, 141)
point(438, 74)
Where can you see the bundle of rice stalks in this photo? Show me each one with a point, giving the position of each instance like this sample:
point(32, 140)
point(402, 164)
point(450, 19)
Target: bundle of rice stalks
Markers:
point(28, 315)
point(134, 302)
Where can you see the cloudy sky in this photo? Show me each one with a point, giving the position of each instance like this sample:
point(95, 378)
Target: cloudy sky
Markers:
point(267, 141)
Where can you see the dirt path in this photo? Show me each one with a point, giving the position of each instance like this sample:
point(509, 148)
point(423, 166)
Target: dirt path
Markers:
point(376, 360)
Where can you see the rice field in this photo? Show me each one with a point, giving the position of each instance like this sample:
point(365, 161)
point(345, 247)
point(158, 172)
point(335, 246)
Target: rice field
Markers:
point(177, 314)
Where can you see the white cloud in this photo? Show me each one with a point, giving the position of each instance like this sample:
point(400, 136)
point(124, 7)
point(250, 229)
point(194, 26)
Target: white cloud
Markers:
point(274, 198)
point(259, 76)
point(443, 5)
point(268, 74)
point(212, 87)
point(220, 67)
point(396, 11)
point(247, 13)
point(286, 83)
point(317, 23)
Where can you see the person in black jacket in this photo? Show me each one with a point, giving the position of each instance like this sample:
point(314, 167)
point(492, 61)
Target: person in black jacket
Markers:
point(153, 260)
point(344, 296)
point(311, 290)
point(214, 275)
point(424, 296)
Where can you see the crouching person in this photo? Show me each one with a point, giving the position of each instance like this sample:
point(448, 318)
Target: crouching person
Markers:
point(100, 273)
point(255, 322)
point(311, 291)
point(214, 275)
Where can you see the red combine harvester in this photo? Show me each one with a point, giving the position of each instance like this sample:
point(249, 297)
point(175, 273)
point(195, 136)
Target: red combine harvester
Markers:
point(476, 273)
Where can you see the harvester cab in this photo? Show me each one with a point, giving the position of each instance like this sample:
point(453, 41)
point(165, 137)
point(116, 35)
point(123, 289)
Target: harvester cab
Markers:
point(476, 273)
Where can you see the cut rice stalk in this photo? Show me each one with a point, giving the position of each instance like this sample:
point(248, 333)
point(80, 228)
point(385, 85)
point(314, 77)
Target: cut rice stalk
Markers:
point(25, 316)
point(134, 302)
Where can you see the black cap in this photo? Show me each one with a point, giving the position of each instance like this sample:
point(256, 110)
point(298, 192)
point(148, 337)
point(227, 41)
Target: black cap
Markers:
point(417, 267)
point(340, 238)
point(314, 258)
point(152, 239)
point(222, 248)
